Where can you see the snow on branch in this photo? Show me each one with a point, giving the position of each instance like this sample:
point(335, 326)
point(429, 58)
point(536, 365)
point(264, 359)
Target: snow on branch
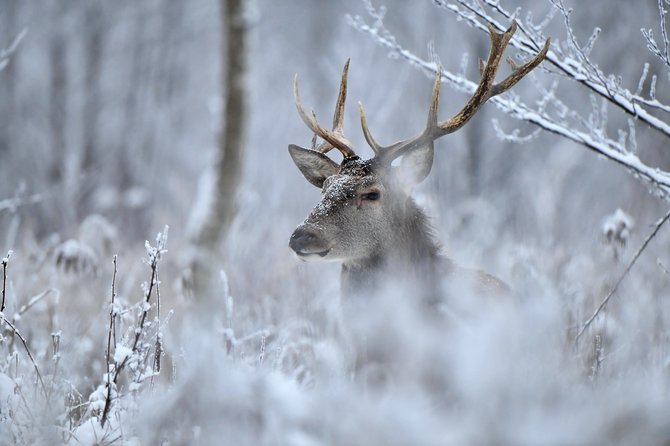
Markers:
point(648, 34)
point(549, 113)
point(134, 350)
point(571, 59)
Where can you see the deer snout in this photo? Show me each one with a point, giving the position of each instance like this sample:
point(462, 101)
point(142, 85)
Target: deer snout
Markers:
point(307, 244)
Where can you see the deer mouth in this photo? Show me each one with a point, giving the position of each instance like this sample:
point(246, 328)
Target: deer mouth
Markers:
point(312, 255)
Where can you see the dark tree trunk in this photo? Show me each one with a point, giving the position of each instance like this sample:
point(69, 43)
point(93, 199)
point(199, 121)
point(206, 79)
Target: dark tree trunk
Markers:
point(228, 165)
point(57, 104)
point(9, 31)
point(231, 139)
point(93, 48)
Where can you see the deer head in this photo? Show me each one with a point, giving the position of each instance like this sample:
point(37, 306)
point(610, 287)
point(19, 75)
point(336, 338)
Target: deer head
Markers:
point(366, 208)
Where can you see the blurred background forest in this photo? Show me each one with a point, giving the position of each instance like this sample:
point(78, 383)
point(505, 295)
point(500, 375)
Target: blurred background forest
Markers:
point(115, 109)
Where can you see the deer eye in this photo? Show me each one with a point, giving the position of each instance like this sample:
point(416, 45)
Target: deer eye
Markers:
point(371, 196)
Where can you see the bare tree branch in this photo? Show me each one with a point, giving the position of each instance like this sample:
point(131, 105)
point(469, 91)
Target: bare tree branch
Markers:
point(561, 123)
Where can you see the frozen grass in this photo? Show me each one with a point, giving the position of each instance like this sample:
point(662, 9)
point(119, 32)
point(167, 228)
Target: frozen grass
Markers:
point(237, 369)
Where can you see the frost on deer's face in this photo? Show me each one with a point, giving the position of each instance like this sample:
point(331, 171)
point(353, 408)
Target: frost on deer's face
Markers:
point(353, 219)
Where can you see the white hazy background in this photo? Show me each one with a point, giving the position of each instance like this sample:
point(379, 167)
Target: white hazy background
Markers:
point(109, 115)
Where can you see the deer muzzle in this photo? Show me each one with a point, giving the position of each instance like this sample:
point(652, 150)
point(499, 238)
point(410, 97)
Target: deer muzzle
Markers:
point(307, 244)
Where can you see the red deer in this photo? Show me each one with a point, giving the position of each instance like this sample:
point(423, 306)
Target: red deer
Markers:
point(366, 218)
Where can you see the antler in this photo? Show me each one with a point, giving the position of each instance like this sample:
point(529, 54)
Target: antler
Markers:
point(485, 90)
point(334, 139)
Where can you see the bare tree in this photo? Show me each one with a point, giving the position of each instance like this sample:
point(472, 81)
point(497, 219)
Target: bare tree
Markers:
point(8, 84)
point(58, 100)
point(213, 226)
point(94, 30)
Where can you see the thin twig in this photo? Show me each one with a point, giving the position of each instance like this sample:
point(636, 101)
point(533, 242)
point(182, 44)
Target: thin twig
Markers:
point(602, 305)
point(55, 341)
point(13, 203)
point(112, 316)
point(664, 32)
point(35, 300)
point(5, 261)
point(154, 257)
point(158, 346)
point(147, 305)
point(30, 355)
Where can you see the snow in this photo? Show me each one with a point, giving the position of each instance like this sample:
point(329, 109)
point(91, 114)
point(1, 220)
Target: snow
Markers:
point(121, 353)
point(97, 398)
point(5, 260)
point(89, 433)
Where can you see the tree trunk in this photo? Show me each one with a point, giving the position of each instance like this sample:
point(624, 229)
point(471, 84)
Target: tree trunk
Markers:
point(8, 111)
point(228, 165)
point(57, 106)
point(93, 30)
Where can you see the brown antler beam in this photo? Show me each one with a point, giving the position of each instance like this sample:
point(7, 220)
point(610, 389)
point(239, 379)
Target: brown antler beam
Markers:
point(486, 89)
point(334, 139)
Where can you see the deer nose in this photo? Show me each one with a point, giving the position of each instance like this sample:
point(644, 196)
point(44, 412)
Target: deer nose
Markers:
point(301, 239)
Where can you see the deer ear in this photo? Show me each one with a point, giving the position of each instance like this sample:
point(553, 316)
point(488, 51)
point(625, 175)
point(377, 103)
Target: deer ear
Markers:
point(415, 166)
point(315, 166)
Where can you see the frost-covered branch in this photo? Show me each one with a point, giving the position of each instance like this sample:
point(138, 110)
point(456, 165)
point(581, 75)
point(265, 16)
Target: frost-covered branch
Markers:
point(571, 59)
point(549, 113)
point(34, 301)
point(153, 257)
point(648, 34)
point(133, 354)
point(5, 262)
point(30, 355)
point(15, 331)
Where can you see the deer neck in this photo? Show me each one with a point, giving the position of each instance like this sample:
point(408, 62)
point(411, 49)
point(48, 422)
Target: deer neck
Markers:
point(409, 253)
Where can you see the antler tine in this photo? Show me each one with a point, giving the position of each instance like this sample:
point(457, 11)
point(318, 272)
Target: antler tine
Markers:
point(366, 131)
point(435, 98)
point(389, 153)
point(432, 120)
point(486, 86)
point(484, 91)
point(338, 116)
point(520, 72)
point(334, 139)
